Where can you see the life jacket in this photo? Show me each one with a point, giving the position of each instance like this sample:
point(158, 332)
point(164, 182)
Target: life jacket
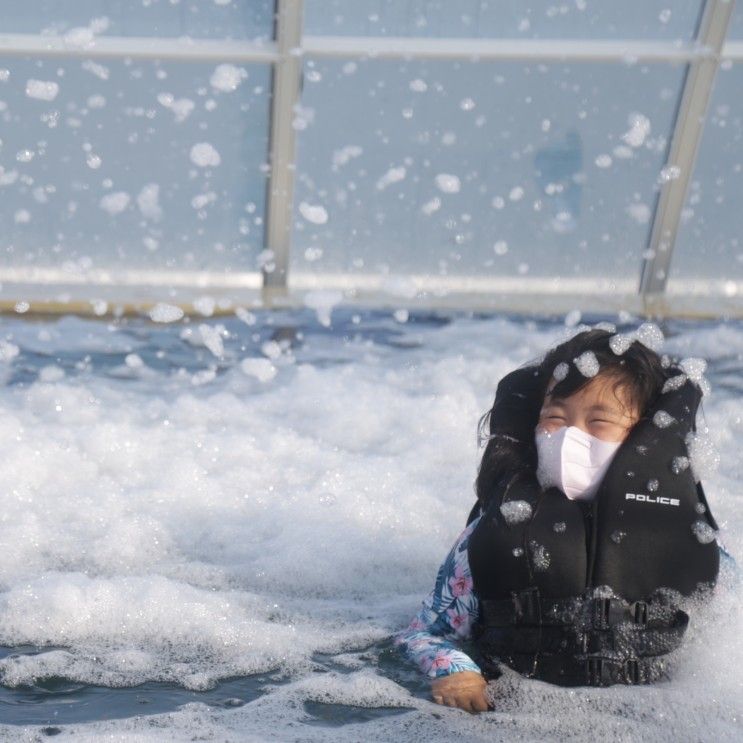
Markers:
point(580, 593)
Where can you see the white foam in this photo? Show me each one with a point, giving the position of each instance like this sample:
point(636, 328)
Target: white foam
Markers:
point(587, 364)
point(663, 419)
point(158, 529)
point(205, 155)
point(515, 511)
point(115, 203)
point(42, 90)
point(227, 77)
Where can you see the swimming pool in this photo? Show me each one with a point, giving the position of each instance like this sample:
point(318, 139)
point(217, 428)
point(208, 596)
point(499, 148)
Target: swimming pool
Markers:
point(213, 527)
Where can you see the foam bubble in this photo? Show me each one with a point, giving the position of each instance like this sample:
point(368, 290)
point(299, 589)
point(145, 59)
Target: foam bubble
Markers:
point(227, 77)
point(165, 313)
point(587, 364)
point(42, 90)
point(158, 529)
point(516, 511)
point(561, 371)
point(205, 155)
point(662, 419)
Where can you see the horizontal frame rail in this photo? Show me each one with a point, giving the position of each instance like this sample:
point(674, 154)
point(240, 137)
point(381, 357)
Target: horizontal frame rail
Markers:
point(182, 49)
point(188, 49)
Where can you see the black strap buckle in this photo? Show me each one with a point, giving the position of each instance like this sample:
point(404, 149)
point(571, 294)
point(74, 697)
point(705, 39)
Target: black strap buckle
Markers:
point(632, 671)
point(607, 613)
point(526, 606)
point(640, 612)
point(597, 671)
point(606, 671)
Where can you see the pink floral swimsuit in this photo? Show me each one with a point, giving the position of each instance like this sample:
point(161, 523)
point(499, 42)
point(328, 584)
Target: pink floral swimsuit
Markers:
point(446, 617)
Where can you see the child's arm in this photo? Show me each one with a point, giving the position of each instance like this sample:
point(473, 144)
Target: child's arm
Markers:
point(446, 616)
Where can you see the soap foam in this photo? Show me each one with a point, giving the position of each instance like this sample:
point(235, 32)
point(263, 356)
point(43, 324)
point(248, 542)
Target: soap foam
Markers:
point(154, 530)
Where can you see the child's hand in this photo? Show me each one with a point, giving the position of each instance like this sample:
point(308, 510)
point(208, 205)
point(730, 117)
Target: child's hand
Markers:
point(464, 689)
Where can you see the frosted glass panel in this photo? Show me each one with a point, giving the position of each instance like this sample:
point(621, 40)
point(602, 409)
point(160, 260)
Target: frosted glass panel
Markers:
point(710, 238)
point(645, 19)
point(132, 164)
point(236, 19)
point(736, 23)
point(487, 169)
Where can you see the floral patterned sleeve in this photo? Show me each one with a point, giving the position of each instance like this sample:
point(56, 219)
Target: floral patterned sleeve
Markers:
point(445, 617)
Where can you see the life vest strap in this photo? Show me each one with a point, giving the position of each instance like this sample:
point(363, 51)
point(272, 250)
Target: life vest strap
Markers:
point(594, 670)
point(580, 640)
point(527, 607)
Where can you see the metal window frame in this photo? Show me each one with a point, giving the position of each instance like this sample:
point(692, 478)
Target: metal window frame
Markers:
point(286, 92)
point(684, 147)
point(703, 54)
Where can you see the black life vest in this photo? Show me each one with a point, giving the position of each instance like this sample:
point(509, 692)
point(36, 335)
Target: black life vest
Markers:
point(588, 593)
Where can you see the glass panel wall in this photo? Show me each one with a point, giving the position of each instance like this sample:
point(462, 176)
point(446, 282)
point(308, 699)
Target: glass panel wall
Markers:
point(78, 20)
point(736, 23)
point(489, 168)
point(710, 238)
point(132, 164)
point(542, 19)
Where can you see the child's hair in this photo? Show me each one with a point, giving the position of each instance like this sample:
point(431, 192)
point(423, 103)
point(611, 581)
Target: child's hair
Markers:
point(634, 367)
point(638, 369)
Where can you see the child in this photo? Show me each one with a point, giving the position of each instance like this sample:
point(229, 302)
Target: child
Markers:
point(588, 532)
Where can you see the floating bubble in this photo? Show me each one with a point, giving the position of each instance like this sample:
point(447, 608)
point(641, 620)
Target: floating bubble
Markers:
point(163, 312)
point(447, 183)
point(261, 369)
point(662, 419)
point(679, 464)
point(674, 383)
point(42, 90)
point(617, 536)
point(540, 557)
point(227, 77)
point(205, 155)
point(561, 371)
point(703, 532)
point(516, 511)
point(620, 342)
point(587, 364)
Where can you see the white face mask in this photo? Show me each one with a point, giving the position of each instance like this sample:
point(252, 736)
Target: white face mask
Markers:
point(573, 461)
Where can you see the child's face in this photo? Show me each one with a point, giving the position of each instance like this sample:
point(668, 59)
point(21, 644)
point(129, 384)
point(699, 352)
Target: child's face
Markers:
point(598, 409)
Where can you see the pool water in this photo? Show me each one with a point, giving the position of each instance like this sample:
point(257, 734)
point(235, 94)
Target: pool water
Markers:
point(213, 527)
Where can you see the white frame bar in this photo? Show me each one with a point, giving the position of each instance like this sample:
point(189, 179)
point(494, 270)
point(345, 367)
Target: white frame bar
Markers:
point(186, 49)
point(573, 50)
point(286, 85)
point(139, 47)
point(687, 135)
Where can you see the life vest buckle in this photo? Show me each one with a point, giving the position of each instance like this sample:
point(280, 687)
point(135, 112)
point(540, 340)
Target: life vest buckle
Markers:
point(640, 612)
point(607, 613)
point(597, 671)
point(632, 671)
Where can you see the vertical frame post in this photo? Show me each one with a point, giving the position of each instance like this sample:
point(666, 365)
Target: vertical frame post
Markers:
point(285, 89)
point(687, 135)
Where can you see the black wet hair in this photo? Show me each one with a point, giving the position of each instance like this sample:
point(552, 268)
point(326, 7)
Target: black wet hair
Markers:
point(638, 369)
point(635, 368)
